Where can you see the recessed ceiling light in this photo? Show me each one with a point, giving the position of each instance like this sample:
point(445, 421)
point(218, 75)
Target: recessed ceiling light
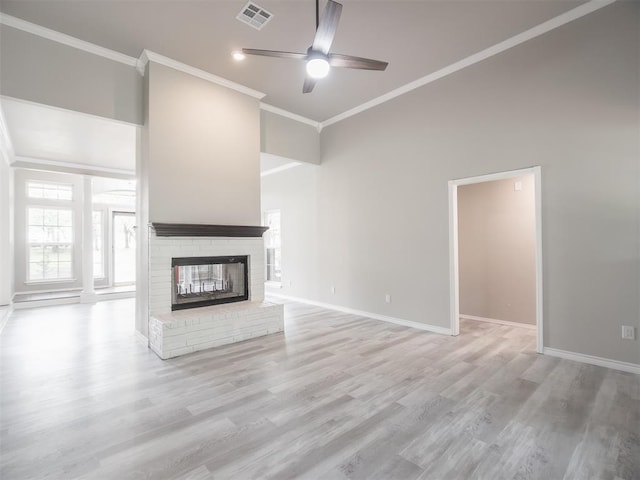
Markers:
point(238, 55)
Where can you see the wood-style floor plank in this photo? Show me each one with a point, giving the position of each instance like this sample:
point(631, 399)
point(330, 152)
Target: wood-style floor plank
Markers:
point(335, 397)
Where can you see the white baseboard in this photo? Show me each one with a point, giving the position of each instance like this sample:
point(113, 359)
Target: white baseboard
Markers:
point(5, 312)
point(141, 338)
point(375, 316)
point(592, 360)
point(82, 298)
point(498, 322)
point(88, 297)
point(46, 303)
point(101, 297)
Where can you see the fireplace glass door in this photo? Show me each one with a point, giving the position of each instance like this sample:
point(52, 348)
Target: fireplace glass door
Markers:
point(201, 281)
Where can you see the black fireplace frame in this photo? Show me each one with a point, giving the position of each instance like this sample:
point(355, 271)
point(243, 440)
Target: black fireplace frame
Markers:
point(186, 261)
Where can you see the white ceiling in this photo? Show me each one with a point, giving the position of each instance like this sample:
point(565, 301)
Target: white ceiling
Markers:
point(53, 136)
point(416, 37)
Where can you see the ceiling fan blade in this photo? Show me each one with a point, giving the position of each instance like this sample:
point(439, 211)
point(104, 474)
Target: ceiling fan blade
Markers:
point(327, 27)
point(349, 61)
point(309, 83)
point(274, 53)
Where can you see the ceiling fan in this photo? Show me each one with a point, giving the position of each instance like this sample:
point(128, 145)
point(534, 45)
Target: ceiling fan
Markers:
point(319, 60)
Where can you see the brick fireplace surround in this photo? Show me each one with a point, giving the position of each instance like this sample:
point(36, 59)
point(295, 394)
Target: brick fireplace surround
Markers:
point(175, 333)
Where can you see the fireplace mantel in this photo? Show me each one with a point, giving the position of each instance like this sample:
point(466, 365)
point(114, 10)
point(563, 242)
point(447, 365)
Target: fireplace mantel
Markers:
point(198, 230)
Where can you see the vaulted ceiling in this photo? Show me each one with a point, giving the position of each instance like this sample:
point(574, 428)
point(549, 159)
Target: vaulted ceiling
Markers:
point(416, 37)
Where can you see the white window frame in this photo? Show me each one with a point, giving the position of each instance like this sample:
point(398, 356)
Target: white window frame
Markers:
point(31, 182)
point(104, 227)
point(51, 205)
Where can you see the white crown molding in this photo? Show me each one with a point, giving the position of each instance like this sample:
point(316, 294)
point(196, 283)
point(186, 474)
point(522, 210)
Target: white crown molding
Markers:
point(500, 47)
point(149, 56)
point(592, 360)
point(141, 62)
point(293, 116)
point(26, 162)
point(64, 39)
point(362, 313)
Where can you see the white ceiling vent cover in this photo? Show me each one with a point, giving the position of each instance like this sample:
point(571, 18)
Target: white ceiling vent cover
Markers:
point(253, 15)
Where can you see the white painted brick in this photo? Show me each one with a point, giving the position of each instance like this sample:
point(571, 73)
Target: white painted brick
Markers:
point(206, 327)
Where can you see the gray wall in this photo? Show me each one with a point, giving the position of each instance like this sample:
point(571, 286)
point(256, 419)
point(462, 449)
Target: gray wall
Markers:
point(289, 138)
point(567, 101)
point(293, 192)
point(203, 163)
point(42, 71)
point(496, 250)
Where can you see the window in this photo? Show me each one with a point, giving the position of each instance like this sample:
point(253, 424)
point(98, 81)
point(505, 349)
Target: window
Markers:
point(272, 243)
point(50, 243)
point(50, 191)
point(98, 245)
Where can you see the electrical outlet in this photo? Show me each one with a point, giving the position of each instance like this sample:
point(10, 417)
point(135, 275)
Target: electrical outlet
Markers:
point(628, 333)
point(333, 289)
point(290, 283)
point(387, 298)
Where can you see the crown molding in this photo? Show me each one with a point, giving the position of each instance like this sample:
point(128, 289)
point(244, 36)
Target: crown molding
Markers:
point(149, 56)
point(293, 116)
point(30, 162)
point(500, 47)
point(64, 39)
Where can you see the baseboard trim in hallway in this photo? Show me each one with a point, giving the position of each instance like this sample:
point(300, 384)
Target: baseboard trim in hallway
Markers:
point(362, 313)
point(497, 322)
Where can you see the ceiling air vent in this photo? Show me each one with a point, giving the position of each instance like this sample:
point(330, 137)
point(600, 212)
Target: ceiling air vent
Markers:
point(253, 15)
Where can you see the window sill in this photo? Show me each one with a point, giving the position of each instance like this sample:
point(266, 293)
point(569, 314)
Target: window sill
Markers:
point(45, 282)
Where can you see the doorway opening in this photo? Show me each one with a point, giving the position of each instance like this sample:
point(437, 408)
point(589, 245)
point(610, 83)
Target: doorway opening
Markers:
point(524, 308)
point(124, 248)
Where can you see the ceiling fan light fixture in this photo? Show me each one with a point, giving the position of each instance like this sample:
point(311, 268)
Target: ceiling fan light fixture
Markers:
point(318, 67)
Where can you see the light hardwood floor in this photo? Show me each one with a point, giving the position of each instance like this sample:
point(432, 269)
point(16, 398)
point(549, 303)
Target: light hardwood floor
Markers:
point(338, 396)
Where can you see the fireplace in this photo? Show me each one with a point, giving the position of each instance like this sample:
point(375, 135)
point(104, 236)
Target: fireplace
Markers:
point(227, 266)
point(202, 281)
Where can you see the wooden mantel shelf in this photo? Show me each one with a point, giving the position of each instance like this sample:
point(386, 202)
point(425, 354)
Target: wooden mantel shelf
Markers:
point(196, 230)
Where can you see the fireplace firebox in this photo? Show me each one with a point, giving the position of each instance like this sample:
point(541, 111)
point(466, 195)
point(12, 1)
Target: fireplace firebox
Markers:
point(202, 281)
